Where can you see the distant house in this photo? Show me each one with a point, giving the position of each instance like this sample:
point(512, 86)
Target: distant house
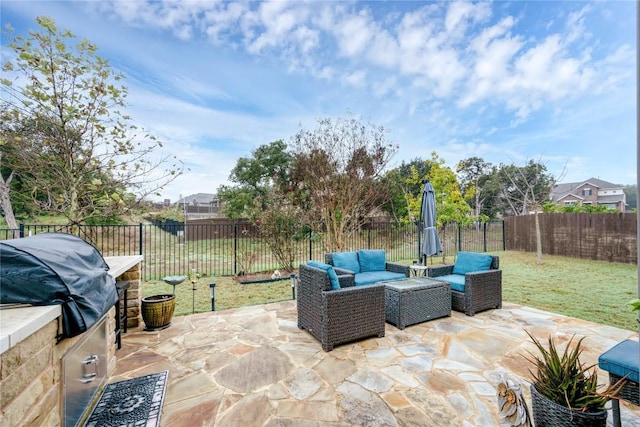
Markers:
point(201, 205)
point(593, 191)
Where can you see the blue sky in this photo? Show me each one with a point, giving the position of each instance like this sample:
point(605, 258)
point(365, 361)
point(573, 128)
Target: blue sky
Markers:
point(506, 81)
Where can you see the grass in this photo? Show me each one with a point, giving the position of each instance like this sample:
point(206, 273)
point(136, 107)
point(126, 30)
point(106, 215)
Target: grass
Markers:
point(597, 291)
point(229, 293)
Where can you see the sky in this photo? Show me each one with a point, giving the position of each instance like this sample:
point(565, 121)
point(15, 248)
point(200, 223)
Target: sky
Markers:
point(509, 82)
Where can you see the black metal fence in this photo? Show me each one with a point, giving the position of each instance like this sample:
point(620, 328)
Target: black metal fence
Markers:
point(172, 248)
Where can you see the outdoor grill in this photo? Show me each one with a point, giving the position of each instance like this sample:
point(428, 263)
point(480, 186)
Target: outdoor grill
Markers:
point(57, 268)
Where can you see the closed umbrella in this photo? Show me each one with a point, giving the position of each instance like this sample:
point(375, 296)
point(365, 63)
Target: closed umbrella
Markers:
point(430, 241)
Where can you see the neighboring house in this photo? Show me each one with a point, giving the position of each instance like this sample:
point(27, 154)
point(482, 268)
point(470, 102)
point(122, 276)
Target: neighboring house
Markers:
point(201, 205)
point(593, 191)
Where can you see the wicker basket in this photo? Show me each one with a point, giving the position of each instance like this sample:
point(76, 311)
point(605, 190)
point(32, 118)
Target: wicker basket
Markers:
point(549, 413)
point(157, 311)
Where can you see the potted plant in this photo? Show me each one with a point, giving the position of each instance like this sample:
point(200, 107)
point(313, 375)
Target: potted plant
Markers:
point(564, 390)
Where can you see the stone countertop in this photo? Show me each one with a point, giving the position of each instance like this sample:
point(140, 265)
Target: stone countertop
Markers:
point(17, 322)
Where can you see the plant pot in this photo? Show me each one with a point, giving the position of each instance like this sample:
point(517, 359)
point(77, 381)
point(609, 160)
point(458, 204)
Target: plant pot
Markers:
point(549, 413)
point(157, 311)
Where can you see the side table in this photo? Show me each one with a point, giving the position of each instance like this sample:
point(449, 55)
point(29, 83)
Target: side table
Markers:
point(416, 300)
point(418, 270)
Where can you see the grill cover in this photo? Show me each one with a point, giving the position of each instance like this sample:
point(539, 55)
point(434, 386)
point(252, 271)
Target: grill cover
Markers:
point(58, 268)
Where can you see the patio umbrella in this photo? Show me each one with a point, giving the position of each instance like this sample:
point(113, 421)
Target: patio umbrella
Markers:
point(430, 241)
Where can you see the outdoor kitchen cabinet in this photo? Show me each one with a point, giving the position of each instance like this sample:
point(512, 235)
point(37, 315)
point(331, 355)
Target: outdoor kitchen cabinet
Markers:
point(45, 381)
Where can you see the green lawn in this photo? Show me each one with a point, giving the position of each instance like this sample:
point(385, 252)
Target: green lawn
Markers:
point(591, 290)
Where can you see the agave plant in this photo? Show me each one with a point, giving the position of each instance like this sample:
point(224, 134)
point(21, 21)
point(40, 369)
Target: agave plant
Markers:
point(565, 380)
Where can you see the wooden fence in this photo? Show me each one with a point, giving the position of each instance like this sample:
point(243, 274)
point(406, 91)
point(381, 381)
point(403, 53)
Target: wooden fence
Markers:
point(599, 236)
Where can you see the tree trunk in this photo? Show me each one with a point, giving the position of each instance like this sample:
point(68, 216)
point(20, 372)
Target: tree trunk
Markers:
point(5, 202)
point(538, 239)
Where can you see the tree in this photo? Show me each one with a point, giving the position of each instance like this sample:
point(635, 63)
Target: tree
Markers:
point(337, 175)
point(73, 148)
point(631, 193)
point(280, 224)
point(268, 164)
point(526, 189)
point(450, 204)
point(473, 173)
point(400, 185)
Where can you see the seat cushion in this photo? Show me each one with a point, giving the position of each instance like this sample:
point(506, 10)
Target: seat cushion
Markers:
point(468, 262)
point(621, 359)
point(371, 277)
point(346, 261)
point(372, 260)
point(333, 277)
point(456, 281)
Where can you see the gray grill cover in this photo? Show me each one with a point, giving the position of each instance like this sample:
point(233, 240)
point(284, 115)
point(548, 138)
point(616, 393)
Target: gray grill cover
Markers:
point(57, 268)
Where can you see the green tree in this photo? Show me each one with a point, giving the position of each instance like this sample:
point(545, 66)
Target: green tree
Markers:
point(254, 177)
point(631, 193)
point(451, 207)
point(337, 175)
point(475, 179)
point(400, 186)
point(78, 154)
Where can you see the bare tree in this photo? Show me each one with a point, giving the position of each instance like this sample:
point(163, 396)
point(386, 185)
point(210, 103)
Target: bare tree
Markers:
point(525, 189)
point(336, 175)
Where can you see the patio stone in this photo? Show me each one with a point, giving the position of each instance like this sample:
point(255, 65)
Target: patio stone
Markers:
point(263, 366)
point(320, 411)
point(364, 408)
point(304, 383)
point(252, 366)
point(251, 410)
point(371, 380)
point(334, 370)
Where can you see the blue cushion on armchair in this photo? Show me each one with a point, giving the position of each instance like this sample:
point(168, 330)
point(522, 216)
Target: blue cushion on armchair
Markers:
point(468, 262)
point(346, 261)
point(333, 277)
point(372, 260)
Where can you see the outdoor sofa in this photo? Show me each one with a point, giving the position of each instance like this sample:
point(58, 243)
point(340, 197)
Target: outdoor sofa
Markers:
point(367, 266)
point(476, 282)
point(339, 312)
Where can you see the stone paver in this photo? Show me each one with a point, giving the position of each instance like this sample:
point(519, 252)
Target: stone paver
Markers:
point(252, 366)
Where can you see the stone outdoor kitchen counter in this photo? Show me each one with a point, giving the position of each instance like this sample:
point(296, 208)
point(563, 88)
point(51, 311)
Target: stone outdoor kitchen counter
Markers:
point(16, 324)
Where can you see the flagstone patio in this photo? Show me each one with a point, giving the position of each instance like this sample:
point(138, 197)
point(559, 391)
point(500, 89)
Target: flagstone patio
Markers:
point(252, 366)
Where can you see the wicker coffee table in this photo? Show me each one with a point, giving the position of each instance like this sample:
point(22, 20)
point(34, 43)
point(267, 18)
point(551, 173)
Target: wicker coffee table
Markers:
point(416, 300)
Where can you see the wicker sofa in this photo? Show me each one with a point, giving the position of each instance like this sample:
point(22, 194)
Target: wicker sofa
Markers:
point(338, 316)
point(367, 266)
point(472, 291)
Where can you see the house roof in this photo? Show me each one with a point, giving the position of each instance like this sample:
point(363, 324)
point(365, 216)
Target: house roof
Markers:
point(609, 199)
point(562, 190)
point(200, 198)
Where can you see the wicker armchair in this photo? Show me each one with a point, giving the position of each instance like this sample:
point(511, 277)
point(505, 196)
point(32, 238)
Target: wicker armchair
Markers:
point(482, 289)
point(339, 316)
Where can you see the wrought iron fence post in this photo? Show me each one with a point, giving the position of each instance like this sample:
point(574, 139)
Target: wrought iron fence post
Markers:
point(504, 237)
point(140, 234)
point(235, 248)
point(484, 236)
point(21, 231)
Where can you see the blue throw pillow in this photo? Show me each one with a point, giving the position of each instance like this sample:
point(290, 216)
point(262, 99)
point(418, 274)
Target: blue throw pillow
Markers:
point(468, 262)
point(333, 277)
point(346, 261)
point(372, 260)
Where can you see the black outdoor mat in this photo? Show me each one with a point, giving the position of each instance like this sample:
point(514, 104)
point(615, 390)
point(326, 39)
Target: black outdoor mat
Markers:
point(134, 402)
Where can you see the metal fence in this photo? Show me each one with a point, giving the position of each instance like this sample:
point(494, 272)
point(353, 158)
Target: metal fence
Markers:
point(172, 248)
